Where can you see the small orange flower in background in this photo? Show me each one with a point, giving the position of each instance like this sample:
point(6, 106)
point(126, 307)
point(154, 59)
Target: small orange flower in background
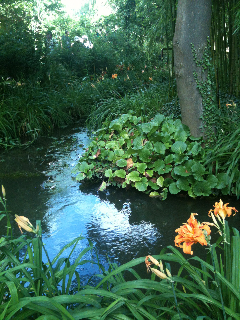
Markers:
point(150, 78)
point(222, 210)
point(114, 76)
point(190, 233)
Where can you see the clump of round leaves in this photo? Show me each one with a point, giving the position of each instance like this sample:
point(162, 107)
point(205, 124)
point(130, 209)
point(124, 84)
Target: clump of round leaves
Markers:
point(156, 157)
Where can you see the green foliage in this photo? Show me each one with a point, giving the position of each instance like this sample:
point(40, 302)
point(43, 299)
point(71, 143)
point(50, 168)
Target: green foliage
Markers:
point(223, 158)
point(158, 155)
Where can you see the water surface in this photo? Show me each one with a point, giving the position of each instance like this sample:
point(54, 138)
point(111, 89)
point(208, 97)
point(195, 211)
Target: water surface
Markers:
point(121, 224)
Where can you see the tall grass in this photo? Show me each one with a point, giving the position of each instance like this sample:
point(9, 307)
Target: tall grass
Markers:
point(224, 157)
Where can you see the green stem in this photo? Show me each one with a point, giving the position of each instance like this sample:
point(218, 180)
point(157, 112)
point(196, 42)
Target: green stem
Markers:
point(175, 299)
point(216, 279)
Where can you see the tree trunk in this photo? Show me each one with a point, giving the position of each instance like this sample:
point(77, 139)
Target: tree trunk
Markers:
point(192, 28)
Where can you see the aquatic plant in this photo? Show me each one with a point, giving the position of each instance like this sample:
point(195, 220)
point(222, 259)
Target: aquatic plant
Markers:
point(157, 157)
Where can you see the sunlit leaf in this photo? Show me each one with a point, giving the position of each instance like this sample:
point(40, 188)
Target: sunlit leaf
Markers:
point(120, 173)
point(108, 173)
point(160, 181)
point(103, 186)
point(142, 184)
point(133, 176)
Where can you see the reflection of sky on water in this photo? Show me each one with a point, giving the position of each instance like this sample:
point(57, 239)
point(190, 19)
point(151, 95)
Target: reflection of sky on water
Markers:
point(118, 233)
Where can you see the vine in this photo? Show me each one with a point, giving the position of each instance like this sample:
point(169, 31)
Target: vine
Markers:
point(206, 86)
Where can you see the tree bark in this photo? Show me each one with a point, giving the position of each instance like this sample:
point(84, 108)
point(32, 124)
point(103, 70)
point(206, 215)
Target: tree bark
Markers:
point(192, 27)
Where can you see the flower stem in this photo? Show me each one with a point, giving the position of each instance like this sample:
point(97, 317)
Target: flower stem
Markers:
point(216, 279)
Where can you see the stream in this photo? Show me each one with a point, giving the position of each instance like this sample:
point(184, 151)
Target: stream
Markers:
point(121, 224)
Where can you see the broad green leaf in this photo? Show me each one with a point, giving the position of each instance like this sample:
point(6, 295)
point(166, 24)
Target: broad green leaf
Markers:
point(181, 171)
point(153, 185)
point(159, 118)
point(212, 180)
point(160, 181)
point(81, 176)
point(111, 156)
point(108, 173)
point(111, 145)
point(154, 194)
point(84, 167)
point(179, 147)
point(102, 186)
point(115, 125)
point(194, 148)
point(169, 158)
point(149, 173)
point(201, 188)
point(121, 163)
point(180, 134)
point(120, 173)
point(119, 152)
point(182, 184)
point(142, 184)
point(173, 189)
point(133, 176)
point(159, 147)
point(159, 165)
point(146, 127)
point(222, 180)
point(198, 171)
point(144, 155)
point(137, 143)
point(141, 167)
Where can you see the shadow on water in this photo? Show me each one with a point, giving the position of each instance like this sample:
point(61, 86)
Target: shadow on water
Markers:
point(121, 224)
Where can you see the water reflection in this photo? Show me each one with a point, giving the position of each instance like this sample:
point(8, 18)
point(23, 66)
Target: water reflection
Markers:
point(121, 224)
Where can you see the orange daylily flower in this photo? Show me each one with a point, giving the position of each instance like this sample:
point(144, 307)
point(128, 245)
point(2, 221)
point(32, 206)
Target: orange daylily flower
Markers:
point(114, 76)
point(222, 210)
point(190, 233)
